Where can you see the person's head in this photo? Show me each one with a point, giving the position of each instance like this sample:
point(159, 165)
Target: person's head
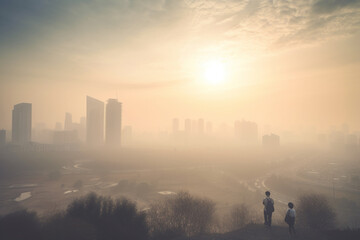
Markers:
point(267, 193)
point(291, 205)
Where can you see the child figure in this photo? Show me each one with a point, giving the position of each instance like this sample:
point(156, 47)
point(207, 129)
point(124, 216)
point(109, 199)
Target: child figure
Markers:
point(290, 218)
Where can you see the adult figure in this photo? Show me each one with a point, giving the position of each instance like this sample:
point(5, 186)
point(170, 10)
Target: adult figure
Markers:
point(268, 203)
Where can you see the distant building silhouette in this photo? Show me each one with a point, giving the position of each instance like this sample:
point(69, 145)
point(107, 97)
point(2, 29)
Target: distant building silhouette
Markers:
point(337, 139)
point(94, 121)
point(21, 123)
point(113, 122)
point(351, 141)
point(82, 132)
point(68, 124)
point(271, 140)
point(175, 125)
point(58, 126)
point(246, 132)
point(65, 137)
point(2, 137)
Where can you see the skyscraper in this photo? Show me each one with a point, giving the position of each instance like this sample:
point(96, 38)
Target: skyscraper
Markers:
point(21, 123)
point(68, 122)
point(113, 122)
point(94, 121)
point(271, 140)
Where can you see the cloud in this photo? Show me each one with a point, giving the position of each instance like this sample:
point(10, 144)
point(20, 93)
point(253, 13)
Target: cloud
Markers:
point(159, 35)
point(330, 6)
point(263, 25)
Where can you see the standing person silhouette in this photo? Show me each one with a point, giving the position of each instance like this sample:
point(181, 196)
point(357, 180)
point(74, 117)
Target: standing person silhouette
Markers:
point(268, 203)
point(290, 218)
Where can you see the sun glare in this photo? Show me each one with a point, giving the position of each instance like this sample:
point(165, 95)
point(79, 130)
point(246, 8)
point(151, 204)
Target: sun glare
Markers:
point(214, 72)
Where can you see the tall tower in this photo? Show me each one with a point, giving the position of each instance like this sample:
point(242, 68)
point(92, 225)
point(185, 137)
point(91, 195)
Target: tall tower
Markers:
point(113, 122)
point(94, 121)
point(68, 122)
point(21, 123)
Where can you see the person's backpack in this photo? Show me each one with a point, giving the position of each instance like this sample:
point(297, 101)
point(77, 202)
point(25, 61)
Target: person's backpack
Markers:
point(269, 206)
point(287, 217)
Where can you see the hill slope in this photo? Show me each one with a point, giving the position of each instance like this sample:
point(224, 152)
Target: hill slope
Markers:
point(260, 232)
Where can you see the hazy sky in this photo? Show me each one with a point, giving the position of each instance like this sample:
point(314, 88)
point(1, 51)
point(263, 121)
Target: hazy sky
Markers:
point(285, 63)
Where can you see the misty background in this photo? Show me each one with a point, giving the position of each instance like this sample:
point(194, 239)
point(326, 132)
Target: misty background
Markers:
point(290, 65)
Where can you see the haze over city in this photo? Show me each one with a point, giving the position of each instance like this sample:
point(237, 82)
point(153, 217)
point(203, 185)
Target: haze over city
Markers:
point(190, 108)
point(282, 63)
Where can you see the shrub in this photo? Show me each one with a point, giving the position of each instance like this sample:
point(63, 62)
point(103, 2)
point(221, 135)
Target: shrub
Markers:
point(239, 216)
point(117, 219)
point(61, 227)
point(314, 211)
point(181, 215)
point(20, 225)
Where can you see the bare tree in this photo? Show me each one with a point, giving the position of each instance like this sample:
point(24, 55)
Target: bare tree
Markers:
point(314, 211)
point(238, 217)
point(181, 215)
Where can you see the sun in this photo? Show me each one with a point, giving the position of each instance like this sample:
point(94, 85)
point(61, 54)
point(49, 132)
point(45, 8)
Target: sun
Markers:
point(214, 72)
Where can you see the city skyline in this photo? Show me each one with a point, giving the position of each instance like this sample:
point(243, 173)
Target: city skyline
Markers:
point(246, 132)
point(280, 63)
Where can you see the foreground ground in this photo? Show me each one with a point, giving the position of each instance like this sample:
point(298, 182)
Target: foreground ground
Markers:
point(259, 232)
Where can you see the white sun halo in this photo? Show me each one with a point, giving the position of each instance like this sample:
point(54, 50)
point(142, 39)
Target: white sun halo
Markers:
point(214, 72)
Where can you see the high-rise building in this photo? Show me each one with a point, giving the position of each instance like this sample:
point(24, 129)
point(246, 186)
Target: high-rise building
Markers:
point(94, 121)
point(65, 137)
point(82, 132)
point(351, 141)
point(271, 140)
point(2, 137)
point(68, 124)
point(21, 123)
point(113, 122)
point(58, 126)
point(175, 125)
